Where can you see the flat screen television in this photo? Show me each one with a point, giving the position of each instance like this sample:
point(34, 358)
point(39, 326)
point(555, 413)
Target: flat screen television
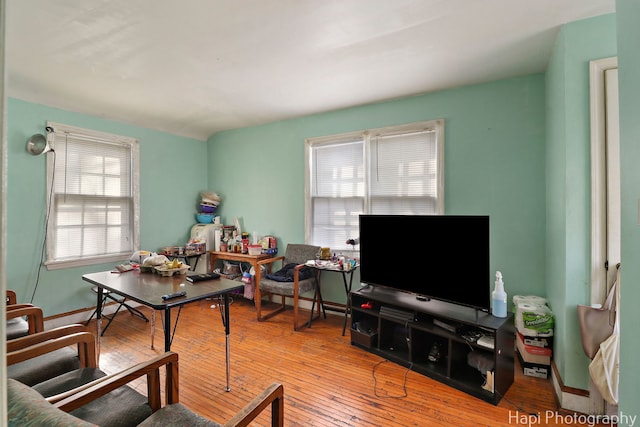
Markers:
point(444, 257)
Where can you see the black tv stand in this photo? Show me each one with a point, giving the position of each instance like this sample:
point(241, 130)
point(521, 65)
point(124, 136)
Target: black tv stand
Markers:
point(401, 328)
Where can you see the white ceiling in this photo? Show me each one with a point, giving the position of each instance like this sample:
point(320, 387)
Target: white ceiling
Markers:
point(196, 67)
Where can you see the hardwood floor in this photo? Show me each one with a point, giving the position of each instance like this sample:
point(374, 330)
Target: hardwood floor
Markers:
point(327, 381)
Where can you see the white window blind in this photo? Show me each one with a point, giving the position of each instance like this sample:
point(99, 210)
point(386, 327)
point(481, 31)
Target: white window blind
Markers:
point(395, 170)
point(404, 174)
point(93, 197)
point(338, 192)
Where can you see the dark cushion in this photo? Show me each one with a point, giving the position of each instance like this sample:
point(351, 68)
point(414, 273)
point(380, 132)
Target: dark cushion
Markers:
point(286, 288)
point(42, 368)
point(26, 407)
point(177, 415)
point(121, 407)
point(68, 381)
point(287, 273)
point(17, 327)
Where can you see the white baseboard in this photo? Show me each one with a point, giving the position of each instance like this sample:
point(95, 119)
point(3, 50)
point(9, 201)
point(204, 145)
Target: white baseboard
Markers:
point(578, 400)
point(83, 316)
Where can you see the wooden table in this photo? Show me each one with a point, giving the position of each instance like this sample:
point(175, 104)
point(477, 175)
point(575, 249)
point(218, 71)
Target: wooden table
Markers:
point(234, 256)
point(148, 289)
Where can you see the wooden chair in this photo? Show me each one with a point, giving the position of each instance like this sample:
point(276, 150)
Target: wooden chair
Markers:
point(297, 254)
point(11, 297)
point(22, 319)
point(25, 404)
point(132, 406)
point(35, 358)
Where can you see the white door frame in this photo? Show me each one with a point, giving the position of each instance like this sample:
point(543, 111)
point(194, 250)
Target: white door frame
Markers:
point(600, 277)
point(598, 178)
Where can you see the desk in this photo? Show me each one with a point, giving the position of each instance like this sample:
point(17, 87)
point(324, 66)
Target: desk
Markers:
point(148, 288)
point(347, 287)
point(234, 256)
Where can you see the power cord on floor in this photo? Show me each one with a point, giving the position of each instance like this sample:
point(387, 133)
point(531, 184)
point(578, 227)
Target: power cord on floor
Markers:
point(404, 382)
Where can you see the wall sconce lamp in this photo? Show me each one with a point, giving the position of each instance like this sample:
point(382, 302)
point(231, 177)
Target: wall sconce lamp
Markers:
point(39, 143)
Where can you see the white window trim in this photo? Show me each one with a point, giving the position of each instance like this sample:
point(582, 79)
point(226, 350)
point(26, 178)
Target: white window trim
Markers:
point(437, 125)
point(135, 176)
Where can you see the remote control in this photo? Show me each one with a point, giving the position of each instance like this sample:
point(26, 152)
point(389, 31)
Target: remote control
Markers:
point(176, 295)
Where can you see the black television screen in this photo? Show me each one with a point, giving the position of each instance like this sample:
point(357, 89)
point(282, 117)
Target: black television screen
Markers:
point(445, 257)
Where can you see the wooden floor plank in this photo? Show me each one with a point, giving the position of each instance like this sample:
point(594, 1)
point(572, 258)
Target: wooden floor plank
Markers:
point(327, 381)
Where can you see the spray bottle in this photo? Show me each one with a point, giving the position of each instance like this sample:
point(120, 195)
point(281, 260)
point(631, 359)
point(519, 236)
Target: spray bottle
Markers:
point(499, 298)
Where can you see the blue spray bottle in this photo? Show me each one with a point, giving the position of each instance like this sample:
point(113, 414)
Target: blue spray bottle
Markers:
point(499, 298)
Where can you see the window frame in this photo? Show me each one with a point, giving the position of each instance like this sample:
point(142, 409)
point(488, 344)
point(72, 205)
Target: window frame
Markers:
point(94, 136)
point(437, 125)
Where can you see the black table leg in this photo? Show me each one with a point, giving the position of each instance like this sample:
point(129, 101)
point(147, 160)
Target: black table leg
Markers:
point(227, 331)
point(347, 289)
point(167, 329)
point(98, 320)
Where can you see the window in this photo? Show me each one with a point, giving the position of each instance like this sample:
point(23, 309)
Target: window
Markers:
point(395, 170)
point(92, 205)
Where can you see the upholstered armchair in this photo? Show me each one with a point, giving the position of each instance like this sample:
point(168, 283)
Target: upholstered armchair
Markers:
point(35, 358)
point(27, 407)
point(132, 406)
point(297, 254)
point(22, 319)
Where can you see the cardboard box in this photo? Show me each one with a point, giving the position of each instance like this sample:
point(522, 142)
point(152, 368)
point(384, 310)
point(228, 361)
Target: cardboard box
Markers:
point(538, 356)
point(534, 349)
point(541, 342)
point(534, 369)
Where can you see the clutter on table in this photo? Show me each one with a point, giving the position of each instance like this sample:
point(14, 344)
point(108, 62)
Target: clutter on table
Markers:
point(327, 260)
point(245, 243)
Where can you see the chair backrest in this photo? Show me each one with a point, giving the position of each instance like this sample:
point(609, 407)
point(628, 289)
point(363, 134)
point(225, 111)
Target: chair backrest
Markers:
point(11, 297)
point(299, 253)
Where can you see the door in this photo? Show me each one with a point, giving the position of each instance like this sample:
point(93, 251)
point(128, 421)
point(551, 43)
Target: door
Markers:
point(605, 192)
point(605, 177)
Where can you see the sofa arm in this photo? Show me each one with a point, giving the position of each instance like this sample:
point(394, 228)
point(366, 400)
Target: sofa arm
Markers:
point(16, 306)
point(82, 395)
point(33, 314)
point(272, 395)
point(85, 341)
point(29, 340)
point(271, 260)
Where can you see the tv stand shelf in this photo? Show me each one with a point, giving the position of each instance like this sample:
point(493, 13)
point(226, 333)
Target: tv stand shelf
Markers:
point(399, 327)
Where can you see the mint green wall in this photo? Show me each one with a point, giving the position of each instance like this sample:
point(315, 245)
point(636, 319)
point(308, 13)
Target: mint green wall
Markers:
point(172, 173)
point(494, 164)
point(568, 146)
point(628, 16)
point(516, 149)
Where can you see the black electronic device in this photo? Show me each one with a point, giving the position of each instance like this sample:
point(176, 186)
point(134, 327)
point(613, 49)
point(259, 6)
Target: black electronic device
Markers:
point(445, 257)
point(396, 314)
point(172, 296)
point(199, 277)
point(448, 326)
